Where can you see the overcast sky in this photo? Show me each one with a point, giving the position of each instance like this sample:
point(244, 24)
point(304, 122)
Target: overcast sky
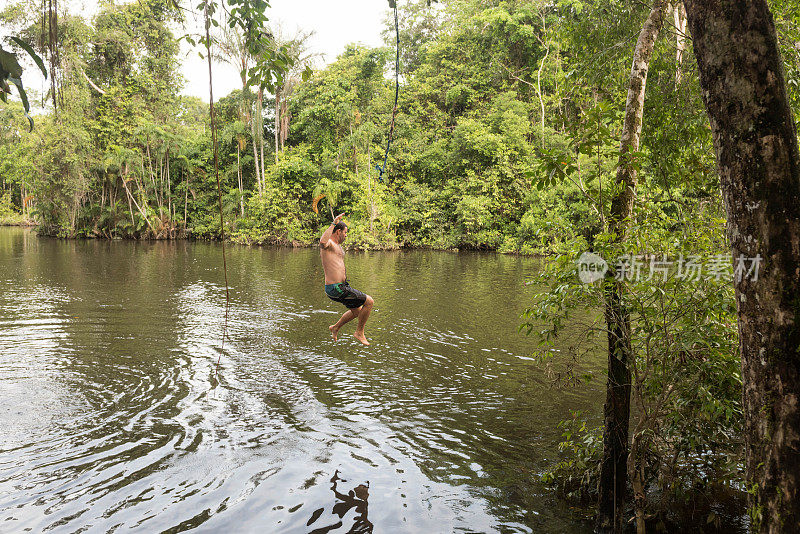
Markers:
point(335, 23)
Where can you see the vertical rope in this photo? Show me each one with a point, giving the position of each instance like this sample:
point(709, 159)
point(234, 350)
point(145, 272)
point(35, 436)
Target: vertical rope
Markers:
point(382, 168)
point(216, 173)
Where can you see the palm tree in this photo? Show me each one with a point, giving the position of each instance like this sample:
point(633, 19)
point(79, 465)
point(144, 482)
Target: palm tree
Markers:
point(297, 48)
point(234, 52)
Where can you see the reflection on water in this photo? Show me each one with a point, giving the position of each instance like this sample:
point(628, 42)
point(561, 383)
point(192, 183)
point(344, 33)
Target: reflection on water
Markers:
point(355, 499)
point(116, 417)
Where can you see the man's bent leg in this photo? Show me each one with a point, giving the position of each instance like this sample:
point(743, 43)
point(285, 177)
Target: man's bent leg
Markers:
point(347, 316)
point(362, 320)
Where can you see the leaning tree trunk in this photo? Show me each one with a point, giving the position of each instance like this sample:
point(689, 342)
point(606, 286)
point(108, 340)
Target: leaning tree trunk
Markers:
point(755, 140)
point(613, 468)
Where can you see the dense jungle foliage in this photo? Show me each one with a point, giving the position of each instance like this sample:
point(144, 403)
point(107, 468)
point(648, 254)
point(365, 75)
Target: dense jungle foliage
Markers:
point(507, 139)
point(495, 97)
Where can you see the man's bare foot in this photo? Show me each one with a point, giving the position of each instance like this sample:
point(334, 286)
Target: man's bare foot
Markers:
point(362, 338)
point(334, 331)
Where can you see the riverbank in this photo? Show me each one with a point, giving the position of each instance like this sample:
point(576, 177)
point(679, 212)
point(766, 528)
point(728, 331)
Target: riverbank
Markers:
point(357, 241)
point(15, 219)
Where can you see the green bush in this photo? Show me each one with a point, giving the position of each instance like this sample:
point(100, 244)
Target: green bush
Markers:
point(8, 213)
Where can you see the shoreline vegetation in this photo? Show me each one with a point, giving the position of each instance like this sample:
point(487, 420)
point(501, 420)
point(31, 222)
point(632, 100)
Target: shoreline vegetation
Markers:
point(17, 221)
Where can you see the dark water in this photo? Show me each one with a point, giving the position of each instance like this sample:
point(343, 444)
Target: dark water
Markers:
point(114, 419)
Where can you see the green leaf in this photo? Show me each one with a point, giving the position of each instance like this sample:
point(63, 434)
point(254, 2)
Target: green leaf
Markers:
point(34, 56)
point(9, 64)
point(24, 97)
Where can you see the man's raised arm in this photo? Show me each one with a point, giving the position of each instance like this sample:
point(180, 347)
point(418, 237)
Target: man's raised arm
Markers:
point(326, 236)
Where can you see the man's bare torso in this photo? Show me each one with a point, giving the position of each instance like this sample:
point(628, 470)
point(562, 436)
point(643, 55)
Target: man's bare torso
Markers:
point(333, 263)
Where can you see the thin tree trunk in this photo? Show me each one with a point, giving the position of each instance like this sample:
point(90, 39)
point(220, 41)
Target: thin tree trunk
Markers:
point(250, 119)
point(637, 467)
point(142, 190)
point(371, 201)
point(539, 82)
point(91, 83)
point(355, 152)
point(277, 121)
point(130, 204)
point(284, 121)
point(160, 187)
point(239, 175)
point(253, 134)
point(153, 176)
point(261, 128)
point(680, 40)
point(186, 202)
point(613, 469)
point(255, 156)
point(169, 190)
point(162, 183)
point(369, 185)
point(133, 220)
point(755, 140)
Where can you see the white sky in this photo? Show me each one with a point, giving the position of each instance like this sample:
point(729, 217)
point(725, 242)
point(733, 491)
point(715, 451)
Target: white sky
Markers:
point(336, 23)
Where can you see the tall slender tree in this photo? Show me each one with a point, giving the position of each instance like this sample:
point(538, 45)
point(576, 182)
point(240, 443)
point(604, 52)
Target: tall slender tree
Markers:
point(297, 47)
point(234, 51)
point(613, 470)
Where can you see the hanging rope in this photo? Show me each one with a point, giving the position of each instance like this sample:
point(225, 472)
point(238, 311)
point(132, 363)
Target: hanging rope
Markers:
point(219, 186)
point(382, 168)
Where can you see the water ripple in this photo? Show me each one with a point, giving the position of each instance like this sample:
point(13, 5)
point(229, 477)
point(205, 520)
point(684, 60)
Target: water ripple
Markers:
point(122, 410)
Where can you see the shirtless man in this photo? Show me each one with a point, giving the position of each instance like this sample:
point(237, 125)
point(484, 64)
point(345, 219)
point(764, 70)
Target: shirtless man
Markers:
point(336, 286)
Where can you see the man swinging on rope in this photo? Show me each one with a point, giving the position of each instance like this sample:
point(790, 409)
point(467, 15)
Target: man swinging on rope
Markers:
point(336, 286)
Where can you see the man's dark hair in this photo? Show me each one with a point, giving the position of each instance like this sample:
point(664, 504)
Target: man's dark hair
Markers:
point(339, 226)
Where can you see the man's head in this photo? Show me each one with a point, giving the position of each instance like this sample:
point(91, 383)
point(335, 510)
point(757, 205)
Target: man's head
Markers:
point(339, 232)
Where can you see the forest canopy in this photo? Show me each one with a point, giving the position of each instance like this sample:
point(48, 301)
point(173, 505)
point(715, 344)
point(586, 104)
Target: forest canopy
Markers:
point(506, 134)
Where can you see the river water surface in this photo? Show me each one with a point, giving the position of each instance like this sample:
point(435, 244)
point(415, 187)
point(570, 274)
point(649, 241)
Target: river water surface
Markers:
point(115, 418)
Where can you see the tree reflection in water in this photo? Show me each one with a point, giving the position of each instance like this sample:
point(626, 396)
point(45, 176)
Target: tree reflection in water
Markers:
point(355, 498)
